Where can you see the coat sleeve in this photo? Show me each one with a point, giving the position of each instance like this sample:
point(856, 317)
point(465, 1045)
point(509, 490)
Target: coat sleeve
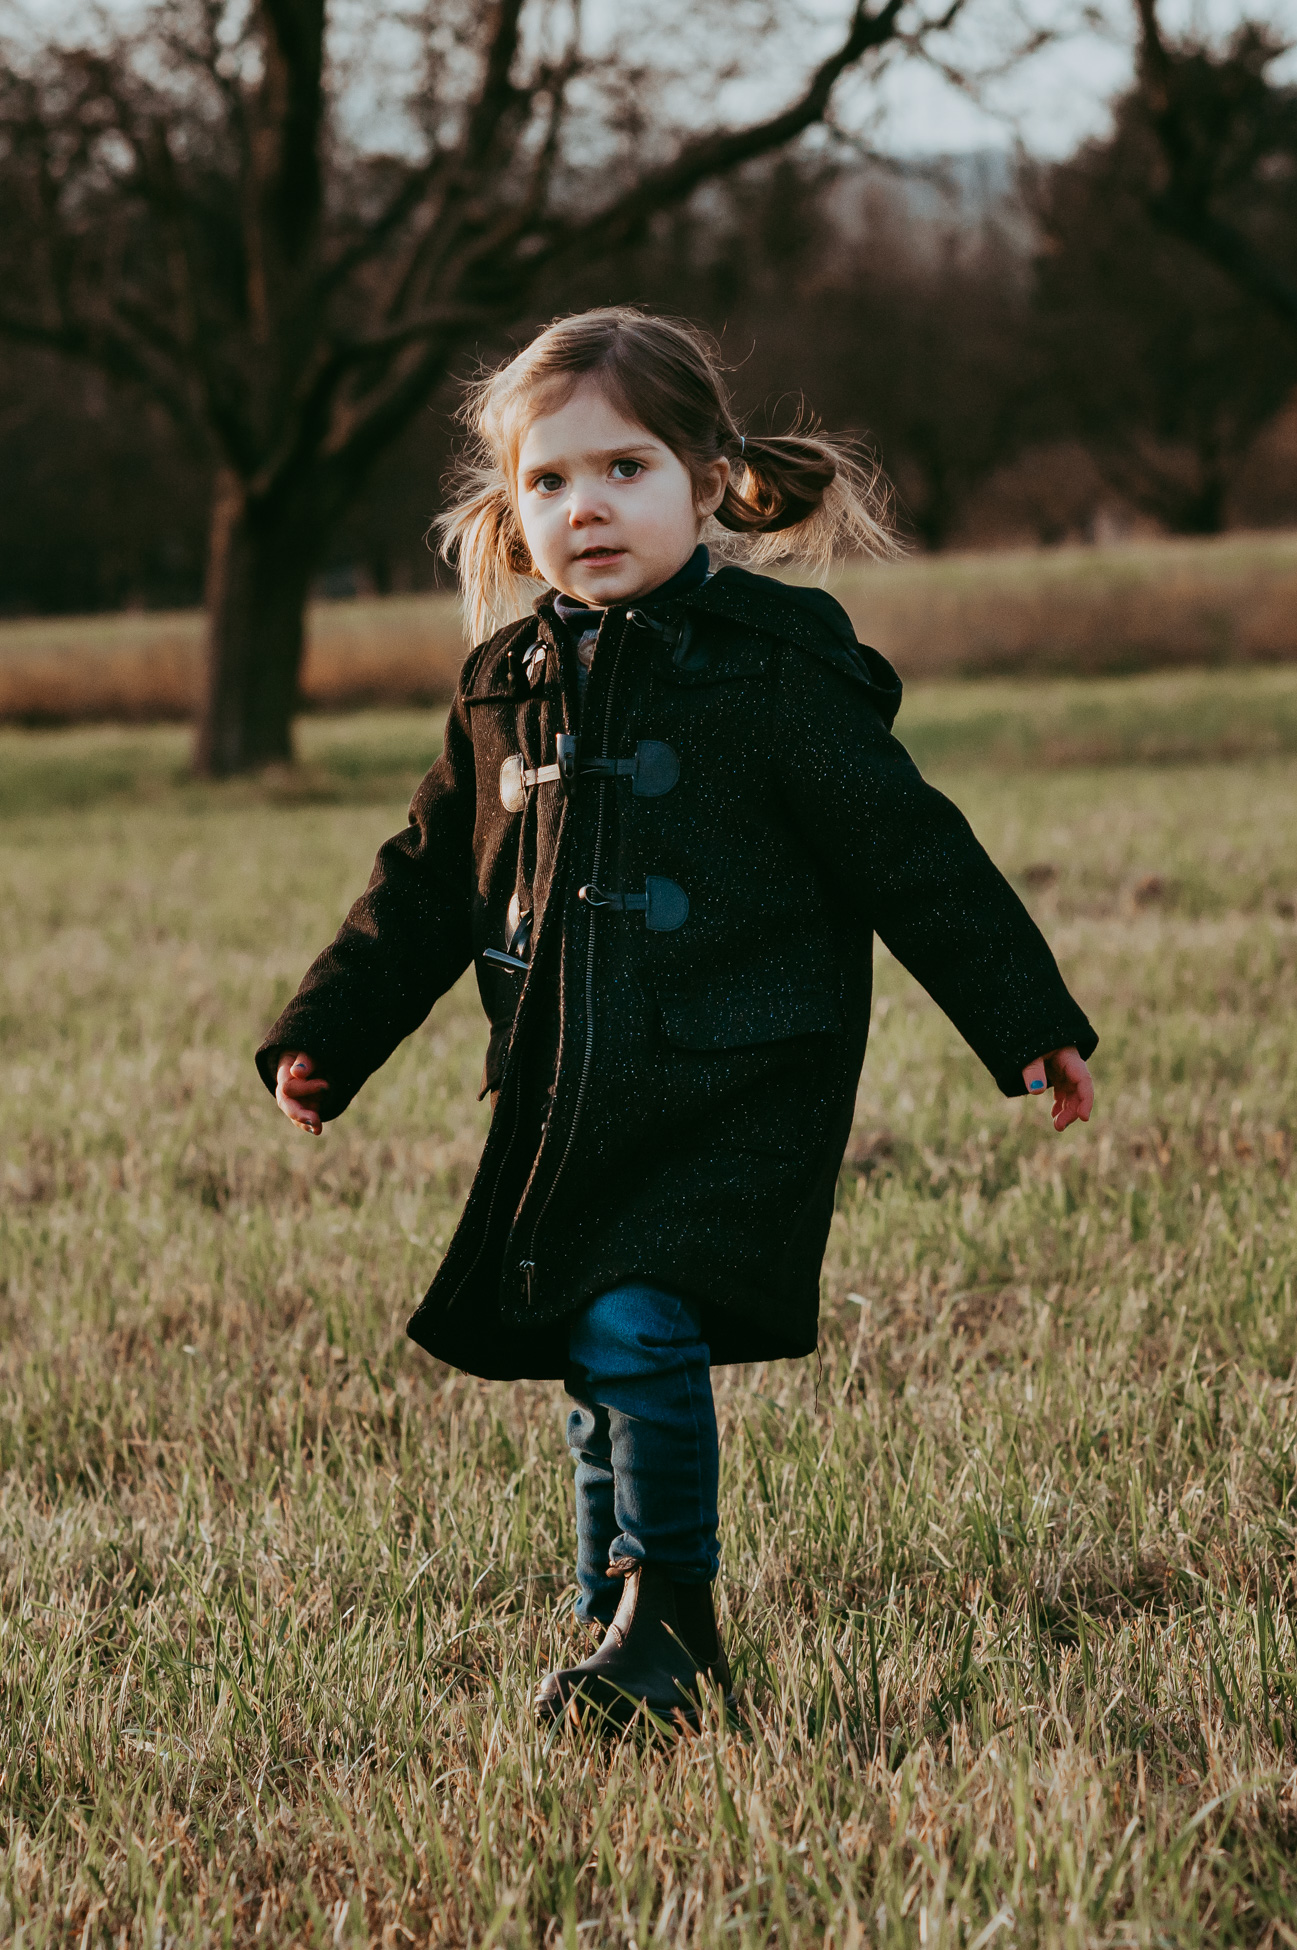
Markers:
point(404, 943)
point(901, 860)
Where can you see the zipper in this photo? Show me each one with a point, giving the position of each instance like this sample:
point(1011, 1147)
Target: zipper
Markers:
point(528, 1265)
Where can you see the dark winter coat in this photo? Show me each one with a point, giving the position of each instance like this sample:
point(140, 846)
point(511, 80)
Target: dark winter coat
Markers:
point(678, 1043)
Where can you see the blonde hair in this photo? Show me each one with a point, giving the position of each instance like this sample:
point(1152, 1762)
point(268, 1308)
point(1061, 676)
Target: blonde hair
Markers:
point(795, 496)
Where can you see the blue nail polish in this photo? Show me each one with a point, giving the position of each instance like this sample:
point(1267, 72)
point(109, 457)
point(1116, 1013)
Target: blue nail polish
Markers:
point(1039, 1084)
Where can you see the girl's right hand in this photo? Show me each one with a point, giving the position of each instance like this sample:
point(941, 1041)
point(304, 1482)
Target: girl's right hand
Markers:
point(297, 1089)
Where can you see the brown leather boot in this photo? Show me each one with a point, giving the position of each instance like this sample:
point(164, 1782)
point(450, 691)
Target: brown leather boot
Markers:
point(657, 1652)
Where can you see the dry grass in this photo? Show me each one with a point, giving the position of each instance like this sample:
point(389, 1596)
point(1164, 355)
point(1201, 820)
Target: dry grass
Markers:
point(1083, 611)
point(1009, 1582)
point(1078, 611)
point(147, 668)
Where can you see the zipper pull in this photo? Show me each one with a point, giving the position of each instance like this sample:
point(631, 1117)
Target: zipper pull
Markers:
point(527, 1268)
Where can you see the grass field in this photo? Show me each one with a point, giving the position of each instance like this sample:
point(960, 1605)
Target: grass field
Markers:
point(1009, 1581)
point(1066, 611)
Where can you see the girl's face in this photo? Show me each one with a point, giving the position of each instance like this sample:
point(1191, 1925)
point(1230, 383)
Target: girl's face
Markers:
point(607, 510)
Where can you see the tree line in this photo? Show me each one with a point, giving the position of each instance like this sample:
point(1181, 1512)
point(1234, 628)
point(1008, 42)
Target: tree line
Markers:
point(233, 336)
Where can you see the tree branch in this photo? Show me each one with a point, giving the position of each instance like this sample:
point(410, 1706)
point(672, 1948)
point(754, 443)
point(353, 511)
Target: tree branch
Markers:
point(497, 94)
point(400, 206)
point(1232, 251)
point(111, 351)
point(366, 423)
point(315, 395)
point(1184, 206)
point(362, 436)
point(426, 324)
point(715, 155)
point(293, 105)
point(467, 166)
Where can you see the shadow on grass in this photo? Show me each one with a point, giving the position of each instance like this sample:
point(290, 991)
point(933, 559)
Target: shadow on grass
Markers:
point(367, 758)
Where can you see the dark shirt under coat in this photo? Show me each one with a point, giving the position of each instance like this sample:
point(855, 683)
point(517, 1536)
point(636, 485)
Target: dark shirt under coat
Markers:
point(691, 1131)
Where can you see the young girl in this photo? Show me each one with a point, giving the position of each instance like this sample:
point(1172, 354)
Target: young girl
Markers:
point(668, 819)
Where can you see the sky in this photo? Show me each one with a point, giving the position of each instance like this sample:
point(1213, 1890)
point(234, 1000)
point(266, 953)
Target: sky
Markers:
point(1049, 104)
point(1053, 101)
point(1057, 99)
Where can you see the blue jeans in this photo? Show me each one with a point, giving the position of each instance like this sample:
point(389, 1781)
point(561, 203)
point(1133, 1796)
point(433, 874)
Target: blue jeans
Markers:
point(643, 1438)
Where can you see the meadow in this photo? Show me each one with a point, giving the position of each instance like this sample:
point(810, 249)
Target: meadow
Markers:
point(1008, 1574)
point(1130, 606)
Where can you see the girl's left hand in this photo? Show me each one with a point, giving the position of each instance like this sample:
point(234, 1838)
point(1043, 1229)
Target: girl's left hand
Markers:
point(1073, 1085)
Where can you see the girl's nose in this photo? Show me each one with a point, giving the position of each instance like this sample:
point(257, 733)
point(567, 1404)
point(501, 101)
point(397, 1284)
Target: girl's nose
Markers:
point(583, 509)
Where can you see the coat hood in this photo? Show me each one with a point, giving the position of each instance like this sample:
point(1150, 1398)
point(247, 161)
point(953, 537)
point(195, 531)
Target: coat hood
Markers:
point(809, 617)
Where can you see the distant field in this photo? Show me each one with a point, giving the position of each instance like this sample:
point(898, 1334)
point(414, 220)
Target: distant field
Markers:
point(1165, 718)
point(1069, 611)
point(1082, 611)
point(139, 668)
point(1008, 1579)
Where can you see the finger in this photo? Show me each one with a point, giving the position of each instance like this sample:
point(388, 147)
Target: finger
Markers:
point(300, 1113)
point(301, 1087)
point(302, 1065)
point(1073, 1084)
point(1073, 1106)
point(1034, 1076)
point(306, 1120)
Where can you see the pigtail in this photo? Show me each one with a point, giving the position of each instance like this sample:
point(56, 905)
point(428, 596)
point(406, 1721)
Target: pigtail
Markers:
point(804, 497)
point(480, 535)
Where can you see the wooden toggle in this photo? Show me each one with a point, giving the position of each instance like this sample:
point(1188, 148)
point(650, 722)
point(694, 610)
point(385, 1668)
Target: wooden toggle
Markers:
point(653, 771)
point(517, 778)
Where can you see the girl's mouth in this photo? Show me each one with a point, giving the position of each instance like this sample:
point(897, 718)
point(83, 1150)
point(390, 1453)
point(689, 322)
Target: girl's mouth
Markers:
point(600, 554)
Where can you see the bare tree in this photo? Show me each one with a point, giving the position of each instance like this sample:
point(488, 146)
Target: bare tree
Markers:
point(1226, 140)
point(181, 206)
point(1146, 351)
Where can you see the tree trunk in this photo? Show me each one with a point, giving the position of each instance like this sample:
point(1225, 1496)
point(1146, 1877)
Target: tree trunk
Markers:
point(258, 571)
point(1204, 511)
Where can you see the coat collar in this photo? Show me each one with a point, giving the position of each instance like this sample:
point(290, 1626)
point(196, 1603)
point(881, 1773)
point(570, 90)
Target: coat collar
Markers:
point(808, 617)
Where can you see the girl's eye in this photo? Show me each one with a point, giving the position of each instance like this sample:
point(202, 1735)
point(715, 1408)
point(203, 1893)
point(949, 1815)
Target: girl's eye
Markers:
point(626, 470)
point(548, 483)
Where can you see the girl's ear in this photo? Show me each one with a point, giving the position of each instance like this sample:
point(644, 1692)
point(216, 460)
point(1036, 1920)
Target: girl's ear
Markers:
point(711, 486)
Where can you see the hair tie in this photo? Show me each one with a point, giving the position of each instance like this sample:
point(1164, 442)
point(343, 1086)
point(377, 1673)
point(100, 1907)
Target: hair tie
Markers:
point(743, 442)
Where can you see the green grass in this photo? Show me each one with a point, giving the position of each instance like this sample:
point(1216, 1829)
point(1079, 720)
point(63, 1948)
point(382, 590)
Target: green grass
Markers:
point(1008, 1582)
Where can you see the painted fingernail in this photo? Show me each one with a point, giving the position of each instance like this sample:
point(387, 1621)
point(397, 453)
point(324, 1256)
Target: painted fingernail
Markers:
point(298, 1070)
point(1037, 1083)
